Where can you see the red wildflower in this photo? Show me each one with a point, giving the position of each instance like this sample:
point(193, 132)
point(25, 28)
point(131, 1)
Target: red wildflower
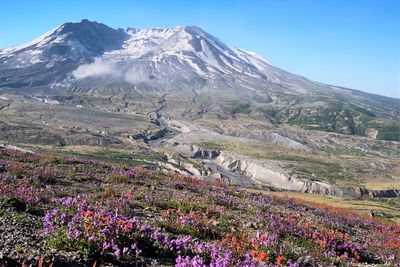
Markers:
point(127, 226)
point(280, 260)
point(87, 213)
point(234, 240)
point(262, 256)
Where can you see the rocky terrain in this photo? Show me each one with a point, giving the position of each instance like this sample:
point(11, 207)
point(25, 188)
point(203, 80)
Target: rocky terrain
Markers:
point(74, 211)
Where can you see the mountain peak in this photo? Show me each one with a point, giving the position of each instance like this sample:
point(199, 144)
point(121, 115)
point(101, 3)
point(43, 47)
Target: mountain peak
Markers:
point(84, 23)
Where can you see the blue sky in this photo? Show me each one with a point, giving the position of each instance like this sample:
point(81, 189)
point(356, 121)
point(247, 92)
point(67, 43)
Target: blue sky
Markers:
point(351, 43)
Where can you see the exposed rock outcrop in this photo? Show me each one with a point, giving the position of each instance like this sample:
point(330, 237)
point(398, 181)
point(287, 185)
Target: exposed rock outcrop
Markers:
point(259, 173)
point(204, 154)
point(147, 136)
point(269, 174)
point(11, 147)
point(371, 132)
point(367, 193)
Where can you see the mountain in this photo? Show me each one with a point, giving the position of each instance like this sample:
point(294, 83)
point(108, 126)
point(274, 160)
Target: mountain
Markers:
point(183, 55)
point(92, 57)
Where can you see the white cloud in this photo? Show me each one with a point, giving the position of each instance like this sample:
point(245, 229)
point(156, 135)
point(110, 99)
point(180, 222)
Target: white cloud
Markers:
point(98, 68)
point(136, 75)
point(133, 75)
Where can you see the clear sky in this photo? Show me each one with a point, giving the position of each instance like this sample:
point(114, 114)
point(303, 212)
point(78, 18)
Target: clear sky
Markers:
point(351, 43)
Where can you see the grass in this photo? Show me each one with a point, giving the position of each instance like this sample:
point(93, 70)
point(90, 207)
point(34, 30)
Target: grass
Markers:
point(382, 185)
point(113, 154)
point(359, 206)
point(239, 107)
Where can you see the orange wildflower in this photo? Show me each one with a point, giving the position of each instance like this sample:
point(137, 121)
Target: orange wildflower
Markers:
point(320, 242)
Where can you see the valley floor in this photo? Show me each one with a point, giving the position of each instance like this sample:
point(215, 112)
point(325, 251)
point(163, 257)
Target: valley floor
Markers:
point(246, 149)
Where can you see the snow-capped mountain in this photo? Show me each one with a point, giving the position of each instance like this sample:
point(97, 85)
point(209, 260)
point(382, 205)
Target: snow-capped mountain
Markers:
point(183, 56)
point(76, 53)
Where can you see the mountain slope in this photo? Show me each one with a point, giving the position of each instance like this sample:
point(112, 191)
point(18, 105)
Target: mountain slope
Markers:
point(187, 64)
point(53, 55)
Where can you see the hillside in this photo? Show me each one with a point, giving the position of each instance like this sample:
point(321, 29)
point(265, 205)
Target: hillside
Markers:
point(74, 211)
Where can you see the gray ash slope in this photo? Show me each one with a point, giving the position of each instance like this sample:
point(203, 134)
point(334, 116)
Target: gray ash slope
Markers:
point(90, 57)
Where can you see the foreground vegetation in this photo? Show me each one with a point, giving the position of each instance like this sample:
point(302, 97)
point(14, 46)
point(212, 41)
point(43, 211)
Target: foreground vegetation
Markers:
point(84, 212)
